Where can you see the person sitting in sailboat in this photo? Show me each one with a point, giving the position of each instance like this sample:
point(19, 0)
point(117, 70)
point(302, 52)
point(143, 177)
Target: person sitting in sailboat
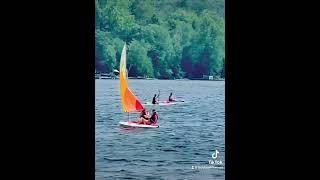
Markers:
point(143, 117)
point(154, 117)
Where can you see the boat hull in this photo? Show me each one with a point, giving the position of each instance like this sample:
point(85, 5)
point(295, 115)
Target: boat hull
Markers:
point(136, 125)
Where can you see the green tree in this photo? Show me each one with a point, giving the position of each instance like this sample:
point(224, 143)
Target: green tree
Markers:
point(166, 38)
point(139, 64)
point(207, 48)
point(107, 50)
point(161, 51)
point(143, 11)
point(182, 33)
point(115, 17)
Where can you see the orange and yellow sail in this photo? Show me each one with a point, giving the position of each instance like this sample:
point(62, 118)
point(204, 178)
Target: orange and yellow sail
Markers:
point(129, 101)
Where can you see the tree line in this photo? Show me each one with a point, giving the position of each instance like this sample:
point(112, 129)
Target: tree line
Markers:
point(166, 38)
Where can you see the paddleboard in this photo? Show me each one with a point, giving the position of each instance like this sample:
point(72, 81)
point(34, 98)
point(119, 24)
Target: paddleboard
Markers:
point(133, 124)
point(164, 103)
point(159, 104)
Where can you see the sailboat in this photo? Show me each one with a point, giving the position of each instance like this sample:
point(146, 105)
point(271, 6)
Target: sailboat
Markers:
point(130, 103)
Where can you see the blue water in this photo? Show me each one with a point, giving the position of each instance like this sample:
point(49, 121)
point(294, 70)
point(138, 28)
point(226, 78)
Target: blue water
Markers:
point(188, 135)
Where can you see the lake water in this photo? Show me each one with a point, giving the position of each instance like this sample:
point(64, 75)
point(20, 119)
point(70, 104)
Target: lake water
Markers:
point(188, 135)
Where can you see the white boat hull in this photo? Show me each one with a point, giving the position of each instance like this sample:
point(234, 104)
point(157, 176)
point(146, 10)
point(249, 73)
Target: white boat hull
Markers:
point(133, 124)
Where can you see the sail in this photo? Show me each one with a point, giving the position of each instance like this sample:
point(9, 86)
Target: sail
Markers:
point(129, 101)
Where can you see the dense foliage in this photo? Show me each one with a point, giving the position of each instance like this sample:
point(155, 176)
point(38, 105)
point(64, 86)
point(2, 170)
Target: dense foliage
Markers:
point(165, 38)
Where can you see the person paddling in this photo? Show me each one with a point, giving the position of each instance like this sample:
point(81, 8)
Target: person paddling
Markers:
point(173, 100)
point(170, 98)
point(154, 100)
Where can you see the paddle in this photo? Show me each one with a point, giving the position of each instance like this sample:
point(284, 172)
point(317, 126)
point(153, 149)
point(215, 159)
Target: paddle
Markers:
point(158, 95)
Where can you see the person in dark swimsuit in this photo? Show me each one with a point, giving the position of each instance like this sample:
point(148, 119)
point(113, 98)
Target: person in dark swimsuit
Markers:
point(170, 98)
point(143, 117)
point(154, 117)
point(154, 100)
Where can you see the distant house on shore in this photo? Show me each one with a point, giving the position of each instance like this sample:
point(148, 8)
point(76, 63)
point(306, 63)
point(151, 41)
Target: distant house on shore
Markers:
point(104, 75)
point(206, 77)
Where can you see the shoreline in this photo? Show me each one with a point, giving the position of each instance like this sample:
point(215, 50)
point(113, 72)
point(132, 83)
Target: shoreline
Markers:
point(205, 78)
point(163, 79)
